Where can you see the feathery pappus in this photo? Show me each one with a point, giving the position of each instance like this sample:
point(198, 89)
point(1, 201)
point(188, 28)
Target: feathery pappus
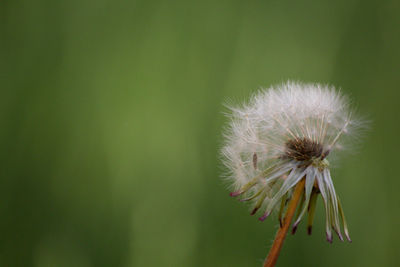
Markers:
point(283, 135)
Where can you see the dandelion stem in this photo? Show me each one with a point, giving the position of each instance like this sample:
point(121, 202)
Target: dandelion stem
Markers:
point(273, 254)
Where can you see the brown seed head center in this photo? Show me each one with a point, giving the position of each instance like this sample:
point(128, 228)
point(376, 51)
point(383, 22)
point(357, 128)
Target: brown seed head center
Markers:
point(304, 149)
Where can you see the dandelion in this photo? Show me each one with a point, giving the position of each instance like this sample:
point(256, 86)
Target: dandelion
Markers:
point(277, 149)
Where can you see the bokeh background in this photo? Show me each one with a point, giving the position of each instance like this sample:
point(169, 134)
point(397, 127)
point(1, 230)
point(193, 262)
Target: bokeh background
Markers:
point(111, 115)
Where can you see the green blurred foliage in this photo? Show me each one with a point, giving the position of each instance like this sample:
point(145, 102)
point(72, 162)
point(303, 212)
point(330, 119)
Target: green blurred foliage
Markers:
point(111, 119)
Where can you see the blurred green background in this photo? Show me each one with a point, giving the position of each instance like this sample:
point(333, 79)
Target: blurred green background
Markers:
point(111, 119)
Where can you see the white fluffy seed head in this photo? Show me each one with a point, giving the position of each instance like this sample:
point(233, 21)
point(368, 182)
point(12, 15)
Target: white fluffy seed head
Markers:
point(282, 136)
point(259, 130)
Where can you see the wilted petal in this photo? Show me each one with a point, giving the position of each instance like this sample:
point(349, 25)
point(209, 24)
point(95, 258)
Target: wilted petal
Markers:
point(310, 179)
point(325, 197)
point(311, 211)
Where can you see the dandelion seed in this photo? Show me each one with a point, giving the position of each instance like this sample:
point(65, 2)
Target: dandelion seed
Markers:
point(281, 141)
point(255, 161)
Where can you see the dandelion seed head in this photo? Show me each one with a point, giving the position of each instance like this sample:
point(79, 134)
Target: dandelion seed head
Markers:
point(283, 134)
